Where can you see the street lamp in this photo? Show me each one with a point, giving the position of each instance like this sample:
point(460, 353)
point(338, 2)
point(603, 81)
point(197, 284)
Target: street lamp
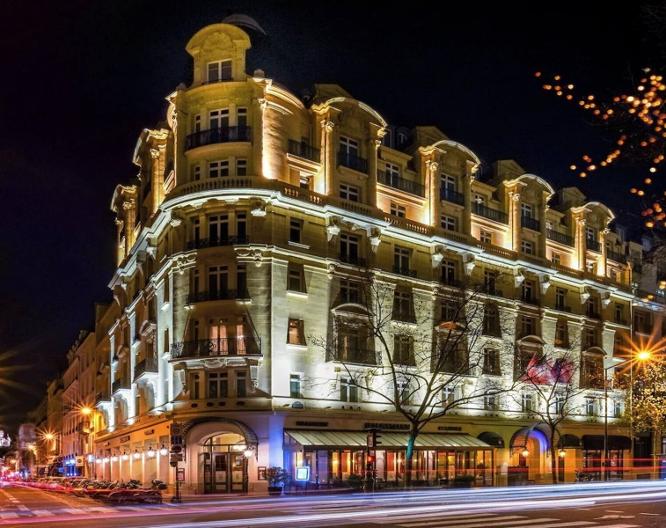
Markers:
point(641, 356)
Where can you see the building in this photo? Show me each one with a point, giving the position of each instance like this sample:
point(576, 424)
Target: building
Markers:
point(253, 216)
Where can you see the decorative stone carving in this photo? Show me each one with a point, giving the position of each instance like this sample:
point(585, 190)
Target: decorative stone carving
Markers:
point(175, 221)
point(333, 229)
point(544, 283)
point(258, 209)
point(375, 236)
point(584, 296)
point(437, 257)
point(519, 278)
point(469, 261)
point(605, 299)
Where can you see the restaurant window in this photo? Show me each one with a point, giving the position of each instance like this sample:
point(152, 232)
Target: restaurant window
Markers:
point(295, 332)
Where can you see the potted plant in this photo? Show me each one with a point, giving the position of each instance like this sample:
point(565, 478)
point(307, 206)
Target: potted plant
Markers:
point(276, 477)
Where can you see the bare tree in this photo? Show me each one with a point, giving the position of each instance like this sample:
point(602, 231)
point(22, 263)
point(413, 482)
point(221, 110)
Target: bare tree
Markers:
point(423, 353)
point(558, 381)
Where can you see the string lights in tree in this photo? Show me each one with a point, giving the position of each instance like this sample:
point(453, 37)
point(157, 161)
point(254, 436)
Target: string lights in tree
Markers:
point(637, 121)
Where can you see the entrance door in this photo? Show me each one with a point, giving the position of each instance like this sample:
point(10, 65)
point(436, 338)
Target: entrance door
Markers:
point(220, 473)
point(238, 470)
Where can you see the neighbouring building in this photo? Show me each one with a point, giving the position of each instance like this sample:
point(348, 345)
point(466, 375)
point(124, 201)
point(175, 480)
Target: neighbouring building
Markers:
point(252, 218)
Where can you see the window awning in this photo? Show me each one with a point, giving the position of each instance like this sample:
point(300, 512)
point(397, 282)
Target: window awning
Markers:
point(596, 442)
point(569, 441)
point(492, 439)
point(350, 439)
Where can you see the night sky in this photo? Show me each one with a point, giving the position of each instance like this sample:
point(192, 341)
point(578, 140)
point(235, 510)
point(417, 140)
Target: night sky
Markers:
point(82, 78)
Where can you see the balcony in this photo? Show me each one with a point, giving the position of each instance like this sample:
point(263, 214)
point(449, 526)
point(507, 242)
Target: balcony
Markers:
point(530, 223)
point(216, 242)
point(404, 271)
point(617, 257)
point(218, 295)
point(120, 384)
point(490, 213)
point(357, 356)
point(353, 259)
point(145, 366)
point(592, 245)
point(562, 307)
point(452, 196)
point(530, 299)
point(218, 135)
point(397, 182)
point(561, 238)
point(352, 161)
point(220, 347)
point(303, 150)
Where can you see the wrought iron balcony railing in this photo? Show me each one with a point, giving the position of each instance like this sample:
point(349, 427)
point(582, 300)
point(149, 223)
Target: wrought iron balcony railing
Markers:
point(353, 161)
point(617, 257)
point(404, 271)
point(530, 223)
point(218, 135)
point(303, 150)
point(358, 356)
point(403, 184)
point(220, 347)
point(148, 364)
point(217, 295)
point(592, 245)
point(562, 238)
point(352, 259)
point(490, 213)
point(452, 196)
point(200, 243)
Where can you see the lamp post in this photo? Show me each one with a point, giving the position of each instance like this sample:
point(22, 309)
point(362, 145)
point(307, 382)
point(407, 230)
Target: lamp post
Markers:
point(642, 355)
point(89, 412)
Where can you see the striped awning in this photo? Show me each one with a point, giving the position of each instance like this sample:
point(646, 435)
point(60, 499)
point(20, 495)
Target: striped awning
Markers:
point(350, 439)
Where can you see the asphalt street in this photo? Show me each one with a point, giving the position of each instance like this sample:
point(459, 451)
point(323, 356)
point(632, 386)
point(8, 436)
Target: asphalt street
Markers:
point(607, 505)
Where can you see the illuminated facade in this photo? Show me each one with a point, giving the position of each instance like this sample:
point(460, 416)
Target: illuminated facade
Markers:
point(251, 213)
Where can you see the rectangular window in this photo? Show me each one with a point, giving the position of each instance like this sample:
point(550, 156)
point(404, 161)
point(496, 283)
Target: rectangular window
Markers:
point(485, 236)
point(448, 395)
point(392, 174)
point(527, 402)
point(219, 168)
point(196, 173)
point(561, 334)
point(527, 291)
point(348, 390)
point(526, 210)
point(295, 386)
point(527, 326)
point(590, 407)
point(401, 260)
point(295, 229)
point(398, 210)
point(350, 292)
point(561, 299)
point(196, 231)
point(241, 167)
point(448, 183)
point(218, 385)
point(349, 245)
point(491, 320)
point(295, 278)
point(403, 350)
point(402, 305)
point(490, 282)
point(490, 401)
point(241, 385)
point(218, 281)
point(350, 192)
point(296, 332)
point(448, 272)
point(219, 71)
point(218, 229)
point(349, 147)
point(241, 227)
point(241, 282)
point(491, 362)
point(527, 247)
point(218, 119)
point(197, 123)
point(619, 315)
point(556, 258)
point(450, 223)
point(241, 117)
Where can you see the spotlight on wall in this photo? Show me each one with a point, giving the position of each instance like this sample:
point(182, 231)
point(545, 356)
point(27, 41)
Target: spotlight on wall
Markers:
point(163, 451)
point(151, 452)
point(136, 455)
point(125, 456)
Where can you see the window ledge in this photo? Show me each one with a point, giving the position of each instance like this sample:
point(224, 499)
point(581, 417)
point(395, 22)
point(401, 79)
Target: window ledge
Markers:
point(298, 245)
point(300, 295)
point(297, 347)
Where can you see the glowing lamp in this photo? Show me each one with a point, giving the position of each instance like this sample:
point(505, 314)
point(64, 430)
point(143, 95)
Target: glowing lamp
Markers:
point(525, 453)
point(248, 453)
point(91, 458)
point(125, 456)
point(164, 451)
point(151, 453)
point(561, 453)
point(114, 458)
point(98, 460)
point(85, 410)
point(643, 355)
point(105, 460)
point(137, 455)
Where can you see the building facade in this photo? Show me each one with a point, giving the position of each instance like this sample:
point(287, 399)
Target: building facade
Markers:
point(252, 220)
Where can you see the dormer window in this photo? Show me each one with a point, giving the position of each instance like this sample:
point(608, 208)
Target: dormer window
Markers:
point(526, 210)
point(219, 71)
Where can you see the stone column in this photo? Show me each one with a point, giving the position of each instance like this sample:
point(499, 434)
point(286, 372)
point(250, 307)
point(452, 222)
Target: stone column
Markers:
point(467, 196)
point(514, 219)
point(543, 210)
point(157, 178)
point(327, 156)
point(602, 263)
point(431, 173)
point(580, 241)
point(373, 151)
point(129, 206)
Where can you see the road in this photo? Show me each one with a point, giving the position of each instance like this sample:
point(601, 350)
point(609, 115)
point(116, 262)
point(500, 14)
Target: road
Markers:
point(594, 505)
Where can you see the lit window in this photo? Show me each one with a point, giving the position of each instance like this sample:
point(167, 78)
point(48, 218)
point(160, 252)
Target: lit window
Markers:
point(295, 386)
point(295, 333)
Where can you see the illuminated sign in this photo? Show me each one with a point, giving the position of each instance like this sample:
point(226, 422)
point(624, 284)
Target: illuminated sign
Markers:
point(4, 439)
point(303, 473)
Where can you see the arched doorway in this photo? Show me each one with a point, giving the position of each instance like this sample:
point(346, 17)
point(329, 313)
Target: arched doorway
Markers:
point(223, 450)
point(529, 452)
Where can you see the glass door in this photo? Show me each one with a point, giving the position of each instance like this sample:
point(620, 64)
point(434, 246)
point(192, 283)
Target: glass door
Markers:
point(238, 469)
point(221, 473)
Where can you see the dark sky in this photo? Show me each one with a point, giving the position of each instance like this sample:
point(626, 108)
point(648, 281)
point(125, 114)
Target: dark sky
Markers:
point(80, 79)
